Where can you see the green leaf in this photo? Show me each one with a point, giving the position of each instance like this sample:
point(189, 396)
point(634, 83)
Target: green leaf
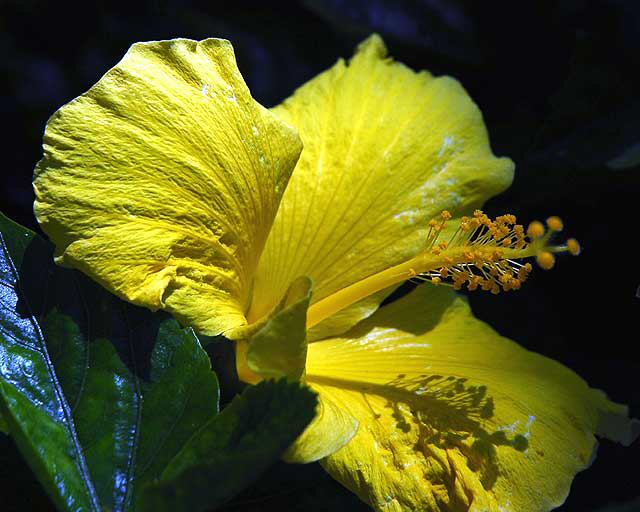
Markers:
point(98, 395)
point(112, 405)
point(31, 397)
point(239, 444)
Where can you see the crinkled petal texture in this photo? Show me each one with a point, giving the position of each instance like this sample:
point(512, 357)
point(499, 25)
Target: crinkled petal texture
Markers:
point(385, 150)
point(453, 416)
point(163, 180)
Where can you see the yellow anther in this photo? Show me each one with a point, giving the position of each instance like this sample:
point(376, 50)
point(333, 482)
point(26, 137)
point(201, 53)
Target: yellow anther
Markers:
point(445, 215)
point(573, 246)
point(495, 289)
point(545, 260)
point(412, 273)
point(535, 229)
point(444, 272)
point(474, 282)
point(555, 223)
point(433, 223)
point(506, 278)
point(524, 272)
point(506, 242)
point(443, 245)
point(448, 260)
point(436, 280)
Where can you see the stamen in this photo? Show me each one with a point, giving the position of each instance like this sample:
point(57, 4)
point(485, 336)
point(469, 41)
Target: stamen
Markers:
point(481, 254)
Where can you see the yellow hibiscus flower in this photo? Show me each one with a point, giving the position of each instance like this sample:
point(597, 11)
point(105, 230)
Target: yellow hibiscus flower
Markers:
point(167, 183)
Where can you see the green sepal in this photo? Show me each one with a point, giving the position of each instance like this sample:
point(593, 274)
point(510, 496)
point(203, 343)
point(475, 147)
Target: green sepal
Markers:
point(279, 348)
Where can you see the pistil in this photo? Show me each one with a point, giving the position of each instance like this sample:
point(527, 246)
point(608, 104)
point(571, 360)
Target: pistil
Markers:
point(481, 254)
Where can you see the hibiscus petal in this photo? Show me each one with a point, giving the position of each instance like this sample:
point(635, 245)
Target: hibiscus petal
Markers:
point(452, 415)
point(385, 149)
point(331, 429)
point(163, 180)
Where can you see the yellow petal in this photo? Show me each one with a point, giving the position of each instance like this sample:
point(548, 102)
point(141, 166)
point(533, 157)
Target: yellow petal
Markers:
point(452, 415)
point(385, 149)
point(331, 429)
point(163, 180)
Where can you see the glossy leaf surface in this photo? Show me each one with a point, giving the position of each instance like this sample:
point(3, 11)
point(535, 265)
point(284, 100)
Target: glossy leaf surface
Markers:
point(104, 399)
point(98, 395)
point(32, 400)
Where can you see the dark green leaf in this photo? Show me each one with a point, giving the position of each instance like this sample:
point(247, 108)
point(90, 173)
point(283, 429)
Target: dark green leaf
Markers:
point(231, 451)
point(31, 397)
point(98, 395)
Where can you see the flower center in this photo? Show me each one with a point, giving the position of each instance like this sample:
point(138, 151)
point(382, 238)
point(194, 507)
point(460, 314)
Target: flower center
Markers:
point(481, 253)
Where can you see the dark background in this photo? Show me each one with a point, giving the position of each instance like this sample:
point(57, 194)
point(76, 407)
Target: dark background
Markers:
point(556, 84)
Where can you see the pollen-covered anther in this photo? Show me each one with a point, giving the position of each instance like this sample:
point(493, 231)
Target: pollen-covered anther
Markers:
point(474, 282)
point(524, 271)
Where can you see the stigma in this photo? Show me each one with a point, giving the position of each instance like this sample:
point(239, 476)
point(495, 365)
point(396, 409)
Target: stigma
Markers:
point(479, 254)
